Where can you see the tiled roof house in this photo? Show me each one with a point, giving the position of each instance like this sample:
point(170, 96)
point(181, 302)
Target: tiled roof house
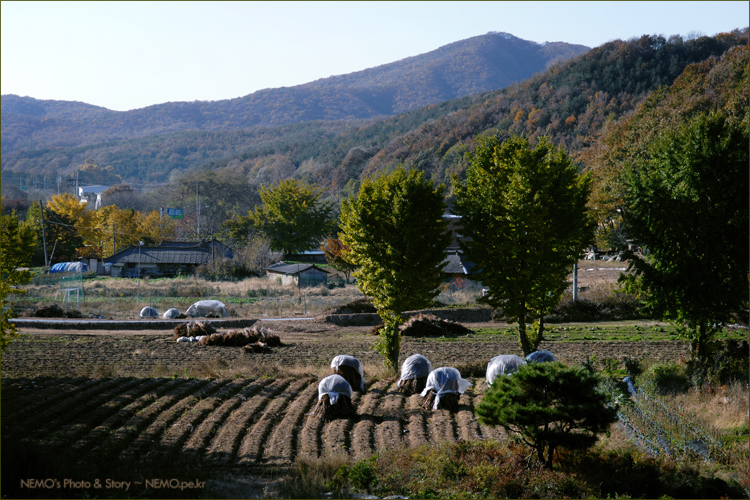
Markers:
point(169, 258)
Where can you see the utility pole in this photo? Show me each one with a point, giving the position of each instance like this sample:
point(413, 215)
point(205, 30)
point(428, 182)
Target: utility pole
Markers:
point(198, 209)
point(575, 281)
point(79, 199)
point(44, 235)
point(113, 239)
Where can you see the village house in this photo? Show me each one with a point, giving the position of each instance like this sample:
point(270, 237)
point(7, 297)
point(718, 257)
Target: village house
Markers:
point(169, 258)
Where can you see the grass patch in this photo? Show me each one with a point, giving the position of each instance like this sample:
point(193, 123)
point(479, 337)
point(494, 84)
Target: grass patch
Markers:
point(489, 469)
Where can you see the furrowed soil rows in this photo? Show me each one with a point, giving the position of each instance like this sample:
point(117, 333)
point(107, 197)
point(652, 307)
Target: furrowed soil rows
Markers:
point(173, 400)
point(388, 433)
point(282, 445)
point(363, 442)
point(229, 437)
point(208, 429)
point(416, 430)
point(251, 450)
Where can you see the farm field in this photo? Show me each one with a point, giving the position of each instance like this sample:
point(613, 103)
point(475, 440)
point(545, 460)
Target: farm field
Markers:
point(131, 400)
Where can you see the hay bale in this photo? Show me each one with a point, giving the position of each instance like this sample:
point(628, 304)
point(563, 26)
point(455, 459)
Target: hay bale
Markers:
point(239, 338)
point(272, 340)
point(447, 401)
point(180, 330)
point(342, 409)
point(351, 375)
point(244, 337)
point(257, 347)
point(413, 386)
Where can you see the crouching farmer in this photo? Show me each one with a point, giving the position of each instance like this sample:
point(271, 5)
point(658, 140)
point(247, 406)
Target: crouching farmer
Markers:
point(334, 399)
point(414, 373)
point(444, 388)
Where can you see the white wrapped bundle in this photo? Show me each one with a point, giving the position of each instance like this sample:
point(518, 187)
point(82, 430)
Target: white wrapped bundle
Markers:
point(149, 312)
point(334, 385)
point(415, 366)
point(443, 381)
point(540, 357)
point(171, 313)
point(505, 364)
point(351, 362)
point(203, 308)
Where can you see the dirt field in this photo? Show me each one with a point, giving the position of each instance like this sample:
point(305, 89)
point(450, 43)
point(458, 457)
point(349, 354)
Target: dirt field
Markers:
point(134, 395)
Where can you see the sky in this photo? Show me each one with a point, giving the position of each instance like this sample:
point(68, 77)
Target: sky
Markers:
point(128, 55)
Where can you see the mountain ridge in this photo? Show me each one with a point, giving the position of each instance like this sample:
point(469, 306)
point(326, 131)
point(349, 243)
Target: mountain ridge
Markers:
point(485, 62)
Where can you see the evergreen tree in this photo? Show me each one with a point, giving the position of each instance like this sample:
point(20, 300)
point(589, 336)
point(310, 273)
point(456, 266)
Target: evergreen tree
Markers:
point(549, 406)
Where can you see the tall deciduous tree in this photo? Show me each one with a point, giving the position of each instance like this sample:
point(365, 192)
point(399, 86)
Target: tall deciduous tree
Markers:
point(397, 235)
point(293, 216)
point(687, 203)
point(524, 215)
point(549, 406)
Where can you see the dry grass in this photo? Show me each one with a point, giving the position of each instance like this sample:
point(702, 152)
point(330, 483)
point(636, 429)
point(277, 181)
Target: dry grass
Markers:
point(123, 298)
point(722, 408)
point(310, 478)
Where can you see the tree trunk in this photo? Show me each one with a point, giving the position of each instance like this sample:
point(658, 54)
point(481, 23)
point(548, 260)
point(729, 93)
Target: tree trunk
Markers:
point(522, 337)
point(550, 454)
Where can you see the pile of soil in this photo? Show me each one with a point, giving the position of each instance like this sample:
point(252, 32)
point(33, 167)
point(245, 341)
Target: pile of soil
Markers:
point(55, 311)
point(359, 306)
point(343, 408)
point(193, 329)
point(428, 325)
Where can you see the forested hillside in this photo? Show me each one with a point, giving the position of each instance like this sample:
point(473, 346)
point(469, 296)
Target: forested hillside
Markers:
point(570, 102)
point(486, 62)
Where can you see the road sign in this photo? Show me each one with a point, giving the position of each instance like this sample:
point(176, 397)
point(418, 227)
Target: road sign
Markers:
point(174, 213)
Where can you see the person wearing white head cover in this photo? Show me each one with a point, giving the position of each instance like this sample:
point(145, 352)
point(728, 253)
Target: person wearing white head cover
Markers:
point(445, 380)
point(415, 366)
point(351, 361)
point(505, 364)
point(334, 386)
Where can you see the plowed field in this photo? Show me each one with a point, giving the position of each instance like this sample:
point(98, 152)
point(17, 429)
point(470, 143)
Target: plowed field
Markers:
point(53, 398)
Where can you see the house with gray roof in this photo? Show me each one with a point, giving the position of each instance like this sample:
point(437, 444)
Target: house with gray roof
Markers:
point(168, 258)
point(297, 274)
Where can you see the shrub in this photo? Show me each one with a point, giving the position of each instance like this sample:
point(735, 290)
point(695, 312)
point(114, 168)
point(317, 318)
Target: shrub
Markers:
point(489, 469)
point(549, 406)
point(666, 378)
point(726, 362)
